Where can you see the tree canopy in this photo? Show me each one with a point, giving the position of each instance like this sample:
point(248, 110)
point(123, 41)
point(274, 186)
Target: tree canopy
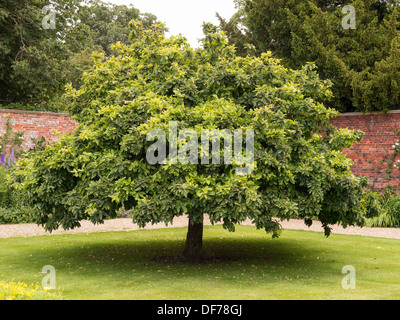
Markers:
point(362, 63)
point(299, 168)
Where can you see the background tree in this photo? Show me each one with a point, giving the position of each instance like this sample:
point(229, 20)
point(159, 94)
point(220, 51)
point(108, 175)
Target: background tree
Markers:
point(32, 59)
point(108, 23)
point(362, 64)
point(300, 170)
point(37, 63)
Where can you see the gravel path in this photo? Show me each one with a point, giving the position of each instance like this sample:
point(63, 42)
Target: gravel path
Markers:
point(125, 224)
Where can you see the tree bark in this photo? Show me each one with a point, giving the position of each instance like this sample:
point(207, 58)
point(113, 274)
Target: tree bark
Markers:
point(194, 241)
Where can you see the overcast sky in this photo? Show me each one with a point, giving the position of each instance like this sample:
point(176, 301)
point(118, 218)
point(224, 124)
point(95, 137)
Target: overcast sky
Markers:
point(184, 16)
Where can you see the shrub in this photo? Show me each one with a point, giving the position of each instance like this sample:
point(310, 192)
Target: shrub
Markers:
point(13, 210)
point(17, 215)
point(390, 216)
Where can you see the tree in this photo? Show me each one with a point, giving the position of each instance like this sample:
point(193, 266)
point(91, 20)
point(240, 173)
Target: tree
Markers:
point(362, 63)
point(159, 83)
point(108, 23)
point(36, 63)
point(32, 59)
point(96, 27)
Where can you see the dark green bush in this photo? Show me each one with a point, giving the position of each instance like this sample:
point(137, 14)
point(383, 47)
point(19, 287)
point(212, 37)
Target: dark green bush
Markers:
point(16, 215)
point(13, 210)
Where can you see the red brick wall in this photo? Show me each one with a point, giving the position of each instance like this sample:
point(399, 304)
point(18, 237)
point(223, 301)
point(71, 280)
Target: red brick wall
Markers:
point(367, 155)
point(375, 147)
point(36, 124)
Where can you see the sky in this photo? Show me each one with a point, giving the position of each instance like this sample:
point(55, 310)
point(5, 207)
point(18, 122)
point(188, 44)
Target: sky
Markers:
point(184, 17)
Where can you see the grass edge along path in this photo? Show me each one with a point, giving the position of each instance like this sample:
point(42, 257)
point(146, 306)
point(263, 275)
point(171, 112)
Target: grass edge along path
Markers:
point(125, 224)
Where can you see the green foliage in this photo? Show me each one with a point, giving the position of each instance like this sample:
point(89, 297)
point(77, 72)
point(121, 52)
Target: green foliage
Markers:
point(363, 63)
point(32, 59)
point(16, 215)
point(389, 216)
point(13, 210)
point(108, 23)
point(4, 191)
point(300, 170)
point(36, 64)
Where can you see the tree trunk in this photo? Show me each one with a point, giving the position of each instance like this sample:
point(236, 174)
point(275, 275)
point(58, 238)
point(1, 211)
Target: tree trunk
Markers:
point(194, 241)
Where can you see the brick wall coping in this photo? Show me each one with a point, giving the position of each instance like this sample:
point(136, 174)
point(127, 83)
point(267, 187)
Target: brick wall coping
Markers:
point(60, 114)
point(55, 114)
point(368, 113)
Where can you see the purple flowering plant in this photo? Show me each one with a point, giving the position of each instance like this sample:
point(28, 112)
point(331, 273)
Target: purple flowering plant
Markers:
point(7, 162)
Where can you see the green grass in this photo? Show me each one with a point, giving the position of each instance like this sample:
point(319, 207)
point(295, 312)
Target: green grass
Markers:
point(121, 265)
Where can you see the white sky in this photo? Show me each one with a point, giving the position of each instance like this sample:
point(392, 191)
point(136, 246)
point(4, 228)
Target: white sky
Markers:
point(184, 17)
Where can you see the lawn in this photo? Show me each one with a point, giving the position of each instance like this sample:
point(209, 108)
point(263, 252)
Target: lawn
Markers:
point(248, 265)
